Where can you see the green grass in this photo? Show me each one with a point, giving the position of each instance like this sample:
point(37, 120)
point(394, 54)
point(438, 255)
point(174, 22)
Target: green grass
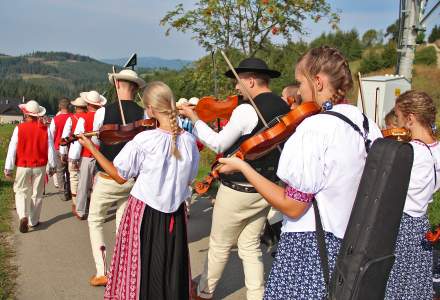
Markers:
point(7, 270)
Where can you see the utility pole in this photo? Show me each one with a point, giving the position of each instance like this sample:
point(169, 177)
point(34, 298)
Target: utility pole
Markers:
point(411, 22)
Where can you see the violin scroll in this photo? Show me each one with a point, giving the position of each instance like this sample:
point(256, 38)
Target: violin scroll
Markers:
point(399, 134)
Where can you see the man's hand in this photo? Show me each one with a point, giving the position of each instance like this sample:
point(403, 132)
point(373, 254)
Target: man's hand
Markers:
point(187, 110)
point(75, 165)
point(51, 171)
point(8, 174)
point(63, 158)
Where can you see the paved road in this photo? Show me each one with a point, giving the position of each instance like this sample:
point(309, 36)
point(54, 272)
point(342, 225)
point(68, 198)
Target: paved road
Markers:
point(55, 260)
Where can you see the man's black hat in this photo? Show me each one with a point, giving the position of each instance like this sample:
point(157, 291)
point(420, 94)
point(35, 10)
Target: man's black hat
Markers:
point(254, 65)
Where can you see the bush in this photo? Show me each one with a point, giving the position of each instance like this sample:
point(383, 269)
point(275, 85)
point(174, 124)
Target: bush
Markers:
point(426, 56)
point(371, 62)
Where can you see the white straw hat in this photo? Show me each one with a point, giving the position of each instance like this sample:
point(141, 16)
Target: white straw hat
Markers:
point(193, 100)
point(181, 101)
point(128, 75)
point(32, 108)
point(94, 98)
point(79, 102)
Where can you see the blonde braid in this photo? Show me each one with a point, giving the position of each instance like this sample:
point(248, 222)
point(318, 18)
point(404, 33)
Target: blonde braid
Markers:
point(175, 129)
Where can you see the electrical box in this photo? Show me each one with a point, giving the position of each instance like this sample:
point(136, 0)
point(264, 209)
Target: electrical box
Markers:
point(380, 93)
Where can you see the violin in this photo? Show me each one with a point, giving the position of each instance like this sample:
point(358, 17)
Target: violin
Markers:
point(112, 134)
point(209, 108)
point(433, 236)
point(280, 129)
point(398, 134)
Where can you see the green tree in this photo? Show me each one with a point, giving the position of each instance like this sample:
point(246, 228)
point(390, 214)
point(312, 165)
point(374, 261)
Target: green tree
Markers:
point(370, 38)
point(347, 42)
point(435, 34)
point(420, 37)
point(247, 25)
point(393, 31)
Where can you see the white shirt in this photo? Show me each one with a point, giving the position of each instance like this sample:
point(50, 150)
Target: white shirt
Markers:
point(326, 157)
point(12, 150)
point(243, 120)
point(422, 181)
point(163, 181)
point(76, 148)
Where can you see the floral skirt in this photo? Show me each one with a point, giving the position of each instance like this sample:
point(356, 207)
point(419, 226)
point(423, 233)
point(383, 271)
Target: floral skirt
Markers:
point(296, 271)
point(151, 257)
point(411, 275)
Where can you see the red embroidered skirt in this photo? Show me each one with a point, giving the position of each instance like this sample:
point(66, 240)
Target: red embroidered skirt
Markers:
point(151, 257)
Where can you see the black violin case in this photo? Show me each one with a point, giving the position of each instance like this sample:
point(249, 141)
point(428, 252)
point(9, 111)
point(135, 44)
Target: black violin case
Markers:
point(367, 252)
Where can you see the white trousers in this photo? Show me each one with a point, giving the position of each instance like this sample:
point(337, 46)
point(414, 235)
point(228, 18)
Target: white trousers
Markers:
point(106, 192)
point(74, 179)
point(85, 183)
point(28, 188)
point(238, 218)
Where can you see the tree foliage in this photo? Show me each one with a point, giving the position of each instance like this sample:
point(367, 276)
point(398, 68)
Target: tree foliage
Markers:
point(435, 34)
point(426, 56)
point(247, 25)
point(393, 31)
point(347, 42)
point(370, 38)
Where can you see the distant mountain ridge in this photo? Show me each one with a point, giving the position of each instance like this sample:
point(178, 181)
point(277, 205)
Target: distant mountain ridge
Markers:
point(151, 62)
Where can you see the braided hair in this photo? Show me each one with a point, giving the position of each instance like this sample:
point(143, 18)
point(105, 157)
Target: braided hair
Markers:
point(332, 63)
point(161, 98)
point(419, 104)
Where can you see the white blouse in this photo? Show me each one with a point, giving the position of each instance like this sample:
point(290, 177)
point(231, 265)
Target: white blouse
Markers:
point(243, 120)
point(325, 158)
point(422, 181)
point(163, 181)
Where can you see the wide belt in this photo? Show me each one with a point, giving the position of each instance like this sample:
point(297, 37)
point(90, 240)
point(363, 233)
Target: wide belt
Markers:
point(105, 176)
point(238, 187)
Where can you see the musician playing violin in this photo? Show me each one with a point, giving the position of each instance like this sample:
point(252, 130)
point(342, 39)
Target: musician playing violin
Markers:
point(321, 163)
point(106, 191)
point(240, 212)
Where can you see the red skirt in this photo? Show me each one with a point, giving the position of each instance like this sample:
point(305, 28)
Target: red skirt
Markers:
point(151, 257)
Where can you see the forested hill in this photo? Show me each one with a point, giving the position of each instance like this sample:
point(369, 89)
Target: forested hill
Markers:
point(48, 76)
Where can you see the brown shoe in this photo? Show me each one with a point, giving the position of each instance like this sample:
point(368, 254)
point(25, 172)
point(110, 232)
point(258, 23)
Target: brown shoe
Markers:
point(98, 281)
point(23, 225)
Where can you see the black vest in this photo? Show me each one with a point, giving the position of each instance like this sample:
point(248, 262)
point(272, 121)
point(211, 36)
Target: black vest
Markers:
point(132, 112)
point(270, 106)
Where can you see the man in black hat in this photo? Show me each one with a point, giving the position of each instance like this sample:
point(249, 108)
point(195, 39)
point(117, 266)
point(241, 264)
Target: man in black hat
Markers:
point(240, 212)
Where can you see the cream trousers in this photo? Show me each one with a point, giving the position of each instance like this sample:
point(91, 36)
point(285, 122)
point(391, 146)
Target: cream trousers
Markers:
point(106, 192)
point(238, 218)
point(28, 188)
point(74, 177)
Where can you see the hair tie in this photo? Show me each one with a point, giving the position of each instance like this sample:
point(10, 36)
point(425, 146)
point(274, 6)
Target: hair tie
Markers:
point(327, 105)
point(433, 128)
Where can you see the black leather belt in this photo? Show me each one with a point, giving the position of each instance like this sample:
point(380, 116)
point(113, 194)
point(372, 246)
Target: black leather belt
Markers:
point(238, 187)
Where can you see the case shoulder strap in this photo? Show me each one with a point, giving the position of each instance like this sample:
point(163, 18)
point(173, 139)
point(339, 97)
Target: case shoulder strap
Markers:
point(364, 134)
point(320, 236)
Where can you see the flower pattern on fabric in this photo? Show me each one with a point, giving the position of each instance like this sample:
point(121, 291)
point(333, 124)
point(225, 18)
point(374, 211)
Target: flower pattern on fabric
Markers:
point(411, 275)
point(296, 271)
point(124, 276)
point(298, 195)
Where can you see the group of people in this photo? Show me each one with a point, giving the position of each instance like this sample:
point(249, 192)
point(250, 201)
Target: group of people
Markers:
point(150, 177)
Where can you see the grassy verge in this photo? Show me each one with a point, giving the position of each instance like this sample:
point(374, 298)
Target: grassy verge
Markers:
point(7, 270)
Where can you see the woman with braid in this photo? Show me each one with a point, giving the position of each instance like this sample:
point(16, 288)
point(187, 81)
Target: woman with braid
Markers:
point(151, 257)
point(411, 275)
point(323, 162)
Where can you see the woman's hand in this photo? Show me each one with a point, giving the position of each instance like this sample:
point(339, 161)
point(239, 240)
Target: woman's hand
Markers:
point(187, 110)
point(231, 164)
point(85, 142)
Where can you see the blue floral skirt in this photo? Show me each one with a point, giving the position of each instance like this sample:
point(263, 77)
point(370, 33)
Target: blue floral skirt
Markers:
point(411, 275)
point(296, 271)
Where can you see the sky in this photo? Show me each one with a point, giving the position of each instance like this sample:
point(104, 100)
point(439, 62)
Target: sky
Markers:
point(114, 29)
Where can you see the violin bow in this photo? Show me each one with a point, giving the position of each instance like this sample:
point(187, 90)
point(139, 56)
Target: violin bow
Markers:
point(245, 90)
point(214, 66)
point(117, 96)
point(361, 91)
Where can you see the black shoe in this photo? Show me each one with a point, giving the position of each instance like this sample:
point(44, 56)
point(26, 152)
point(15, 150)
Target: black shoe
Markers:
point(67, 196)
